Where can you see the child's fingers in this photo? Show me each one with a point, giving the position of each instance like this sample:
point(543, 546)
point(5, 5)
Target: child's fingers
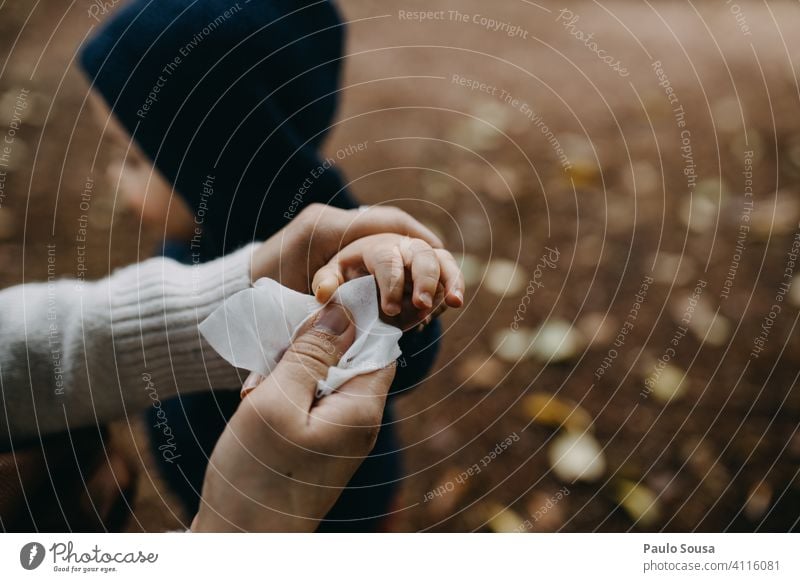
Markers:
point(452, 278)
point(327, 280)
point(384, 261)
point(389, 269)
point(428, 268)
point(425, 273)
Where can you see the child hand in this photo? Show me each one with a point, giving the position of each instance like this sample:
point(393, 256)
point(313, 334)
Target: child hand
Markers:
point(415, 280)
point(308, 242)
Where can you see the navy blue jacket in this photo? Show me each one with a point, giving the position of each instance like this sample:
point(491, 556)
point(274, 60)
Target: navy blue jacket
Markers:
point(230, 100)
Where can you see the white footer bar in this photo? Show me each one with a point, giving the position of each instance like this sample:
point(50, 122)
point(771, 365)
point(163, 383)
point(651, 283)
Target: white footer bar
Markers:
point(400, 557)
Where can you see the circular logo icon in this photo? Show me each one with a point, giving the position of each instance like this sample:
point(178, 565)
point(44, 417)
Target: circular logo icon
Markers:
point(31, 555)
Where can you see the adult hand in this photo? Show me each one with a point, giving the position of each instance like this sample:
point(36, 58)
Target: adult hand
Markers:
point(285, 457)
point(293, 255)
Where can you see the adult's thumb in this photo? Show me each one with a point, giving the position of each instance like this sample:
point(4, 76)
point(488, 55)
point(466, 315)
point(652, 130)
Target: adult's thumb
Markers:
point(318, 346)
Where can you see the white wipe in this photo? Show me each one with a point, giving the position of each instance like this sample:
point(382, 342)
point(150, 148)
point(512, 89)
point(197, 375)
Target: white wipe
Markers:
point(253, 328)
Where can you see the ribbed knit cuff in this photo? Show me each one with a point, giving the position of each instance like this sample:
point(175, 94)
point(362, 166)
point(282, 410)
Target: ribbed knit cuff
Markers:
point(156, 307)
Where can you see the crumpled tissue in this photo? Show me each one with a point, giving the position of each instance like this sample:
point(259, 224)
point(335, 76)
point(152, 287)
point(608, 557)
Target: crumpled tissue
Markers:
point(253, 328)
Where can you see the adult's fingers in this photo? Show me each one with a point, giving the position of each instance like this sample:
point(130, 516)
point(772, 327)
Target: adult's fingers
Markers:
point(360, 402)
point(373, 385)
point(316, 348)
point(351, 225)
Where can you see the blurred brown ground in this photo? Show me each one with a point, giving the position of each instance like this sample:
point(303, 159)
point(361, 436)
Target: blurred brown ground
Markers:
point(723, 455)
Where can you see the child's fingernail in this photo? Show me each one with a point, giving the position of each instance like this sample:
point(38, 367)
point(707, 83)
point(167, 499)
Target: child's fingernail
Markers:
point(322, 284)
point(426, 298)
point(459, 295)
point(392, 309)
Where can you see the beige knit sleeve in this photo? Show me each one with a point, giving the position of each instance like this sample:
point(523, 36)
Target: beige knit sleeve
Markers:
point(80, 354)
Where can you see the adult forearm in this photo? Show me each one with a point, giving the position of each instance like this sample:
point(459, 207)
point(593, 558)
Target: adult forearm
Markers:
point(79, 354)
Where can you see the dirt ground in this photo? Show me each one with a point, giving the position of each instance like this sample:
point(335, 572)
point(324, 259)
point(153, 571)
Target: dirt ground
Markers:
point(658, 161)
